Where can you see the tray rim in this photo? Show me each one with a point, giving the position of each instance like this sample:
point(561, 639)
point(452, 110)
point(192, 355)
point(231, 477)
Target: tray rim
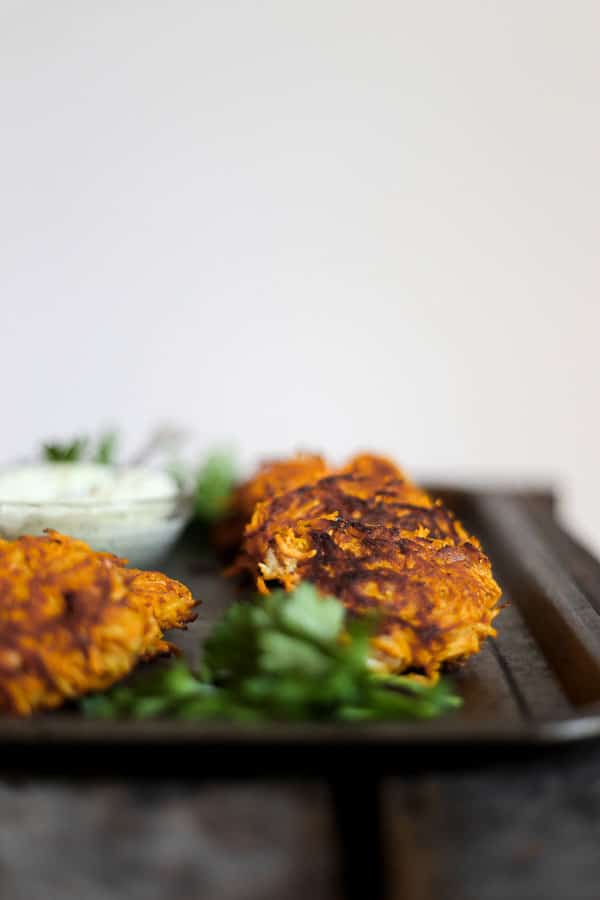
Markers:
point(67, 727)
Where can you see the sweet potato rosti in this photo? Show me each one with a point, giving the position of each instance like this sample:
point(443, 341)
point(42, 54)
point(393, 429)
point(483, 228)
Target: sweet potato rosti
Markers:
point(372, 538)
point(273, 477)
point(73, 620)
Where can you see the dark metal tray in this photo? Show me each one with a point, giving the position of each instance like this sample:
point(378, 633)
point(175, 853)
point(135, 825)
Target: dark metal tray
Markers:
point(536, 685)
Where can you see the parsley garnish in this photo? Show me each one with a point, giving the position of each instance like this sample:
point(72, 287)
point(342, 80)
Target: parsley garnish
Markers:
point(288, 657)
point(104, 451)
point(213, 485)
point(69, 452)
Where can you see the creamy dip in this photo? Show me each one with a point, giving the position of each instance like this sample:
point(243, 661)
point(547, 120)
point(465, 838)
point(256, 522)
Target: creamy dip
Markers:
point(134, 512)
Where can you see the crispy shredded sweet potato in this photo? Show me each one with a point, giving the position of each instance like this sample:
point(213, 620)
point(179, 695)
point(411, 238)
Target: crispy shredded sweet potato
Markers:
point(369, 536)
point(272, 477)
point(73, 620)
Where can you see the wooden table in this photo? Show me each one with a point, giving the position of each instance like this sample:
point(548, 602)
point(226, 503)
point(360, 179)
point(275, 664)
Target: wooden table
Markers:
point(523, 831)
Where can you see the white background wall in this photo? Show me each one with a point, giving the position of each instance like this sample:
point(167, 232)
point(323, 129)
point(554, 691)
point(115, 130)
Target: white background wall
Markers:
point(329, 224)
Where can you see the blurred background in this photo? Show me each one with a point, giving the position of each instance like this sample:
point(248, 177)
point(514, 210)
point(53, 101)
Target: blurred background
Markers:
point(331, 225)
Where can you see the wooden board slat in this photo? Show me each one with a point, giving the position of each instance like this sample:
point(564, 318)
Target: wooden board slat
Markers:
point(538, 688)
point(485, 690)
point(558, 614)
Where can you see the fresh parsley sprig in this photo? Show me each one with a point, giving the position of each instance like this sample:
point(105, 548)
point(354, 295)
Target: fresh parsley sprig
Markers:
point(213, 485)
point(67, 452)
point(287, 657)
point(81, 448)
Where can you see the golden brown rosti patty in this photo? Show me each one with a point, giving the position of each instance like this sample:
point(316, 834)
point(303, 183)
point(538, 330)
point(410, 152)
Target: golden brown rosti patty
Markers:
point(372, 538)
point(273, 477)
point(73, 620)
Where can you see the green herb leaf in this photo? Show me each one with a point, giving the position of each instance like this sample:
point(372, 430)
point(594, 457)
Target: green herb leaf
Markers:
point(106, 450)
point(65, 452)
point(214, 483)
point(308, 615)
point(284, 653)
point(82, 448)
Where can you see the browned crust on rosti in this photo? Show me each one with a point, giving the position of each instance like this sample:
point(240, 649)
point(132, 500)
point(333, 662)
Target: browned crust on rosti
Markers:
point(73, 620)
point(272, 477)
point(379, 543)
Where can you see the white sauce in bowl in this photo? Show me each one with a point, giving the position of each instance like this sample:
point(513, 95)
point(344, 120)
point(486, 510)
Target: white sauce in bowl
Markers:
point(134, 512)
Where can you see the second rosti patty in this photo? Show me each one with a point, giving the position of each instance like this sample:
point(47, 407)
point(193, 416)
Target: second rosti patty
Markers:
point(379, 543)
point(272, 477)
